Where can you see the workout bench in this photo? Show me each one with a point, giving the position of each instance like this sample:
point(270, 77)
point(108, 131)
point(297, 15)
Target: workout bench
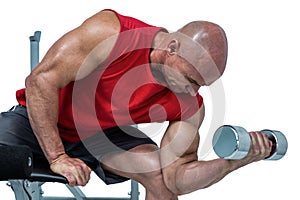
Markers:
point(26, 175)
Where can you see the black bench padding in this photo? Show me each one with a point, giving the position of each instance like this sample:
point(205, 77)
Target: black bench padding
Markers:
point(15, 162)
point(41, 172)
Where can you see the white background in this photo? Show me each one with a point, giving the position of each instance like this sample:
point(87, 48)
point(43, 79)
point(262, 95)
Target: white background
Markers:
point(261, 83)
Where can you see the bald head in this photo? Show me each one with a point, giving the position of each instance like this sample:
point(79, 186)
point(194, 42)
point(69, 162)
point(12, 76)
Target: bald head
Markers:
point(191, 57)
point(211, 37)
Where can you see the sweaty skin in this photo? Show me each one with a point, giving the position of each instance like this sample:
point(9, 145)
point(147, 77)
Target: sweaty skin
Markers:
point(58, 68)
point(187, 173)
point(65, 62)
point(186, 64)
point(174, 67)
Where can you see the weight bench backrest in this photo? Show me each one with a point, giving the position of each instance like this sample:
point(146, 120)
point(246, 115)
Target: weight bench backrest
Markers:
point(17, 162)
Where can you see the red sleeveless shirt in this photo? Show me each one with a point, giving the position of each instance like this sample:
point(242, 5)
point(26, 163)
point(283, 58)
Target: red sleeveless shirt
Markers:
point(122, 91)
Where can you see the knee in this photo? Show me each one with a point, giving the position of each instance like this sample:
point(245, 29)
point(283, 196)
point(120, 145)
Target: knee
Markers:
point(145, 159)
point(151, 174)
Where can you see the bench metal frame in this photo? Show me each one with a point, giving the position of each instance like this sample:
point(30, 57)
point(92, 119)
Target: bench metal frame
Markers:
point(28, 190)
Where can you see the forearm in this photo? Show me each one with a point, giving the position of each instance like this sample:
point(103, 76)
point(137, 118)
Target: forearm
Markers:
point(42, 106)
point(182, 171)
point(202, 174)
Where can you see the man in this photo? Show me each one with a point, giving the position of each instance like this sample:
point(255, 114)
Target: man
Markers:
point(114, 71)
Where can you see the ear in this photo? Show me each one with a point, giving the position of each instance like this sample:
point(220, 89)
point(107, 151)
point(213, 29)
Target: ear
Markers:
point(173, 47)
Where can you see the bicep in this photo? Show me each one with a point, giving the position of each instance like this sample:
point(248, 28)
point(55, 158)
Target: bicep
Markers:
point(182, 138)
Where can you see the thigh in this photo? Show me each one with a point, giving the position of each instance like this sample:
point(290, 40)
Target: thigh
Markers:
point(116, 151)
point(138, 161)
point(116, 140)
point(15, 129)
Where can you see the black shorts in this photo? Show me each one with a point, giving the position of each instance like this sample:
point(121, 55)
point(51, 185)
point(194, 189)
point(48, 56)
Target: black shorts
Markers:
point(15, 129)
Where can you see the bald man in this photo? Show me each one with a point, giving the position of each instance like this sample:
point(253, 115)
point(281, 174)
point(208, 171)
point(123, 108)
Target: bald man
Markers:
point(114, 71)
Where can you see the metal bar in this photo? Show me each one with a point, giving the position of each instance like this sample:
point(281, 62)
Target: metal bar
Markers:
point(34, 49)
point(134, 190)
point(76, 191)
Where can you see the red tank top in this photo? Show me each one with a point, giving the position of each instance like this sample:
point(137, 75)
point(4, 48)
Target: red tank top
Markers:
point(122, 91)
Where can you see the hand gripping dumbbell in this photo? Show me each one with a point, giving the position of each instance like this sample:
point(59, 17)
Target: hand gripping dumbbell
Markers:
point(234, 142)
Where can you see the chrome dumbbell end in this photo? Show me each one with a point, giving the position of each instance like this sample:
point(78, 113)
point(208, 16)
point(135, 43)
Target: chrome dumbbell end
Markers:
point(280, 144)
point(231, 142)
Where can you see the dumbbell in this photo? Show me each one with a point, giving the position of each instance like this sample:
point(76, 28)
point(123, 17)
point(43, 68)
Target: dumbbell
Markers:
point(234, 142)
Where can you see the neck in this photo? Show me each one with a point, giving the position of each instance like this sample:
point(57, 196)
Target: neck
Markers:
point(157, 55)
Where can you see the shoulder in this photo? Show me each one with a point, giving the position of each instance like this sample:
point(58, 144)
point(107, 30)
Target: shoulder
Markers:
point(109, 17)
point(105, 23)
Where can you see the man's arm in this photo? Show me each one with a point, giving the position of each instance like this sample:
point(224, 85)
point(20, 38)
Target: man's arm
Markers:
point(183, 172)
point(72, 57)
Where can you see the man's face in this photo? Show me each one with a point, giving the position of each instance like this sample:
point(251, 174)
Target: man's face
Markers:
point(183, 77)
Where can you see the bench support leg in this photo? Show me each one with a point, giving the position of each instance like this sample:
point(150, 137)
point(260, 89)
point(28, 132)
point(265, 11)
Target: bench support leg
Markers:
point(77, 193)
point(134, 194)
point(26, 190)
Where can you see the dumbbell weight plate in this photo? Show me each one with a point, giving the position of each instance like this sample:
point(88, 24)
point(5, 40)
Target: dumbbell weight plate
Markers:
point(280, 144)
point(231, 142)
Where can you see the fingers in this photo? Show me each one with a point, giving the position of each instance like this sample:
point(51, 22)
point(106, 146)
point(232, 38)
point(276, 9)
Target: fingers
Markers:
point(83, 173)
point(261, 145)
point(78, 173)
point(75, 170)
